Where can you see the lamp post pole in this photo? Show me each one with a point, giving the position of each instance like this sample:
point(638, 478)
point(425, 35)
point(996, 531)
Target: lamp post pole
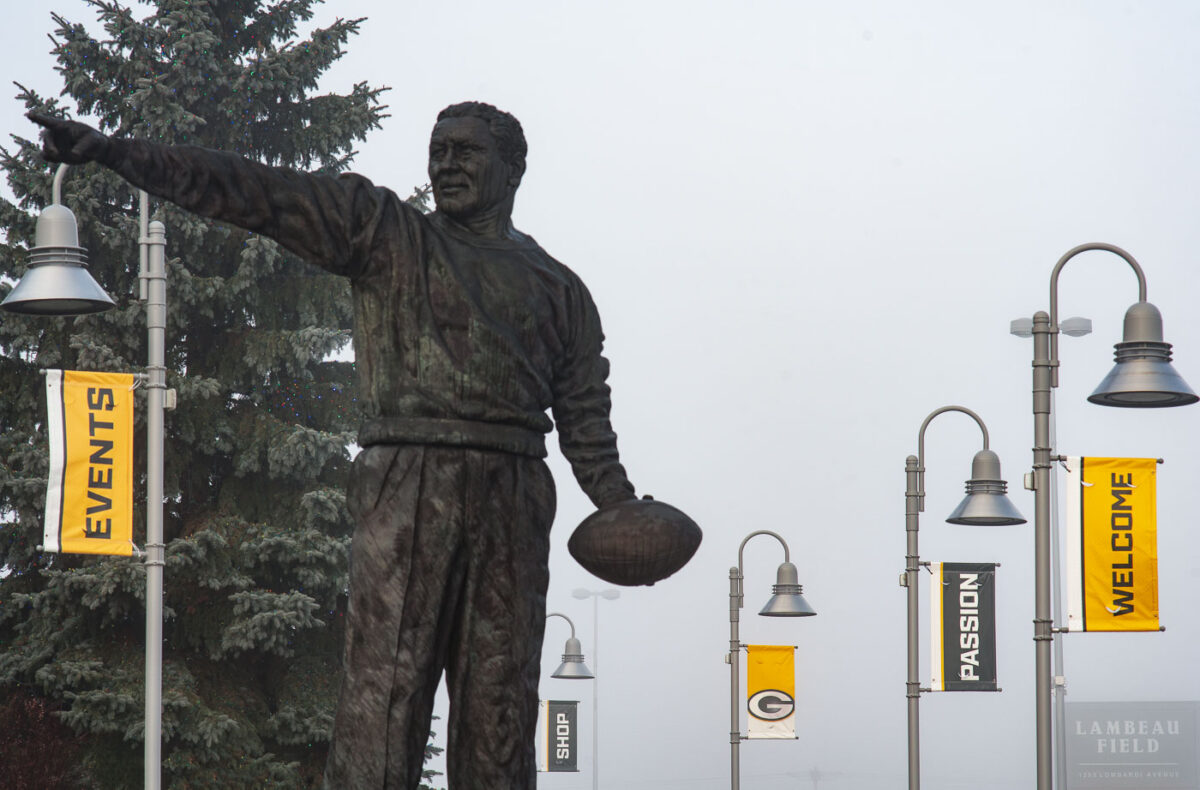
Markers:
point(596, 595)
point(912, 568)
point(787, 601)
point(1074, 327)
point(1142, 378)
point(153, 241)
point(595, 695)
point(986, 505)
point(1042, 633)
point(1060, 681)
point(735, 649)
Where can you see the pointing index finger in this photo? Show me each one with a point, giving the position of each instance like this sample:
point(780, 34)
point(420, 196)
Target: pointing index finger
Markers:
point(42, 119)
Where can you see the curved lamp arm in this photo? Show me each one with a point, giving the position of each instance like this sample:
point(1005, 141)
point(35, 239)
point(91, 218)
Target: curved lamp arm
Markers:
point(741, 548)
point(921, 446)
point(740, 566)
point(1095, 245)
point(56, 187)
point(563, 616)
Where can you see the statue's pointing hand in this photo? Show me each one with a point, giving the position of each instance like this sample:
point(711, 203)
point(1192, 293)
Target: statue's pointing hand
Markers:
point(69, 142)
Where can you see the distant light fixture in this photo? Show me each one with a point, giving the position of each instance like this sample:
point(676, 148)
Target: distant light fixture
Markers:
point(1021, 327)
point(572, 666)
point(787, 599)
point(582, 593)
point(1143, 376)
point(57, 282)
point(1071, 327)
point(986, 503)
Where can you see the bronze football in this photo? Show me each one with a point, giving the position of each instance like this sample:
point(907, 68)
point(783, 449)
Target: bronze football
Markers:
point(635, 542)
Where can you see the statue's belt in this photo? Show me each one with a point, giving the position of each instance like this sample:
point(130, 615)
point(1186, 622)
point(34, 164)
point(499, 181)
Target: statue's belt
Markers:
point(453, 433)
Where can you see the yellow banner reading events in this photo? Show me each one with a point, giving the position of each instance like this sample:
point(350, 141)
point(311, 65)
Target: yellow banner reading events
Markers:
point(1112, 544)
point(771, 691)
point(89, 493)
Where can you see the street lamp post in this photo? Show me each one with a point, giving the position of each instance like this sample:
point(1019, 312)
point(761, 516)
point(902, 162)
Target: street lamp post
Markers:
point(1072, 327)
point(787, 600)
point(57, 284)
point(609, 595)
point(1142, 378)
point(986, 504)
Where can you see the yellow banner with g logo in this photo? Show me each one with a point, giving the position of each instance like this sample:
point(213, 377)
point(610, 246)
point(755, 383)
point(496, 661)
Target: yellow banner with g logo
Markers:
point(89, 493)
point(1112, 544)
point(771, 691)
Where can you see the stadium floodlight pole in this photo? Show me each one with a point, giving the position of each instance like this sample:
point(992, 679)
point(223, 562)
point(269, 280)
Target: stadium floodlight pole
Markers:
point(787, 600)
point(1142, 378)
point(58, 284)
point(986, 504)
point(609, 595)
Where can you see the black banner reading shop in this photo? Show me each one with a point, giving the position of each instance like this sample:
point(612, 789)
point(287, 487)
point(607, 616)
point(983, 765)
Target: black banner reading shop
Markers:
point(964, 626)
point(558, 739)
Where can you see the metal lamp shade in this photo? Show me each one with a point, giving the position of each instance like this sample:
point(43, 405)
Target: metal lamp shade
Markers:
point(787, 599)
point(1143, 376)
point(57, 281)
point(572, 666)
point(986, 503)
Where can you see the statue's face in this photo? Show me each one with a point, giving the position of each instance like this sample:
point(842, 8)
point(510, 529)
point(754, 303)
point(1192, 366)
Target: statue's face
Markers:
point(465, 168)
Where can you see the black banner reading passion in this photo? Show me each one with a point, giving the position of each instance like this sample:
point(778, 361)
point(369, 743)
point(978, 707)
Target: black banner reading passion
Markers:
point(965, 631)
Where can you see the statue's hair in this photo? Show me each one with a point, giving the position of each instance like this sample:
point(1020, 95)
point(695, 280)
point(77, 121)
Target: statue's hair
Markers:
point(503, 126)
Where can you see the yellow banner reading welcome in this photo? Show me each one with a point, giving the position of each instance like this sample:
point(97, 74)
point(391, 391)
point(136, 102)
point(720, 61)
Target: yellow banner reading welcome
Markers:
point(771, 691)
point(1112, 544)
point(89, 493)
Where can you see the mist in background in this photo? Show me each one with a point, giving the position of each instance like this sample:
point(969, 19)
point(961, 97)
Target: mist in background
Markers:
point(807, 226)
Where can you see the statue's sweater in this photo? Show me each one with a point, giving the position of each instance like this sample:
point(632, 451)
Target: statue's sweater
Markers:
point(459, 339)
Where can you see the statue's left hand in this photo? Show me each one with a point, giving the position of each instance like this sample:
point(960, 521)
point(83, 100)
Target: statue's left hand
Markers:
point(69, 142)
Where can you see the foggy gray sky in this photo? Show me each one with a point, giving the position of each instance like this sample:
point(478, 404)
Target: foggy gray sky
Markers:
point(808, 225)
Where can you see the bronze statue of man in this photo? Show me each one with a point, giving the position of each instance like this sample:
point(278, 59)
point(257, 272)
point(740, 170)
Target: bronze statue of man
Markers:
point(466, 333)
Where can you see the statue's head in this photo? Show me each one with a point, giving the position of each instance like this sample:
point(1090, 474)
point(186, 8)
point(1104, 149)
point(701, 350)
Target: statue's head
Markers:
point(476, 159)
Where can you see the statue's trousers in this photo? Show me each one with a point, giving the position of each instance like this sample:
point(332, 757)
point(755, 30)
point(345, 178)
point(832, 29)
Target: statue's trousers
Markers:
point(448, 570)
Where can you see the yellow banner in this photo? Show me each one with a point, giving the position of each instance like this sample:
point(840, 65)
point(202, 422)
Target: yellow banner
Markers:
point(1112, 544)
point(771, 691)
point(89, 494)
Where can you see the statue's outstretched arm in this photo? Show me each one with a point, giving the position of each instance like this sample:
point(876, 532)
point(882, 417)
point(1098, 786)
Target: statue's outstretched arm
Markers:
point(69, 142)
point(330, 221)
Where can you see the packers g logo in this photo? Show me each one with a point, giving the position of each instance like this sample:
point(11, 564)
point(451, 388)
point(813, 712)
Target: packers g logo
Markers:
point(771, 705)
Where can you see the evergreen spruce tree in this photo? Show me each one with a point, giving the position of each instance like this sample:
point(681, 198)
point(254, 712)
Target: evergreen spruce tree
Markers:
point(256, 452)
point(431, 751)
